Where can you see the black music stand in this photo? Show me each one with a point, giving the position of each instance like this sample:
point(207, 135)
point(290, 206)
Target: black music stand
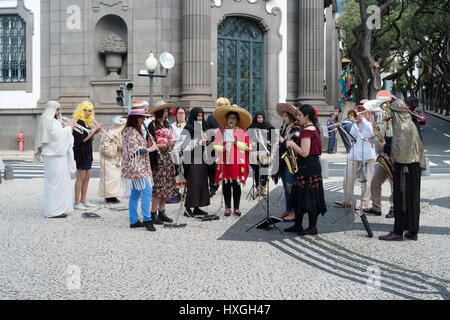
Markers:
point(268, 220)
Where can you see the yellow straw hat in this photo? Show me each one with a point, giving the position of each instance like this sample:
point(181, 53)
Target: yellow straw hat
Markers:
point(245, 119)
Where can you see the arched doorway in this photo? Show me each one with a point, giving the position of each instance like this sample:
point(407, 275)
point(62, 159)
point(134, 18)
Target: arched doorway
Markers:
point(240, 70)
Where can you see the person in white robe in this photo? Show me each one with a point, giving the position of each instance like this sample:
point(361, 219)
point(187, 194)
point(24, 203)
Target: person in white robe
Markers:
point(54, 144)
point(110, 161)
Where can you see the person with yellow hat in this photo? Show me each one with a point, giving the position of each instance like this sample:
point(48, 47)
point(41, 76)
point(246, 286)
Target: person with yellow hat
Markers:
point(232, 152)
point(212, 124)
point(82, 149)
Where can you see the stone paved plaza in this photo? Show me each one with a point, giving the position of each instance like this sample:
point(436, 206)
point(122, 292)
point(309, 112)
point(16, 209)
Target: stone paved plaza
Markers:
point(104, 259)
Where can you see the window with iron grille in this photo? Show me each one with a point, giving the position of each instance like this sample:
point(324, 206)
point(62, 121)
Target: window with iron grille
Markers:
point(13, 54)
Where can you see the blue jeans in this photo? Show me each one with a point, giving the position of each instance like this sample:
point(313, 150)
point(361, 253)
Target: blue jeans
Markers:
point(146, 195)
point(288, 181)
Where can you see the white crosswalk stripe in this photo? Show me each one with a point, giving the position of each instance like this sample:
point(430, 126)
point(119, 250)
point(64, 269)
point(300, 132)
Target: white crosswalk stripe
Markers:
point(32, 171)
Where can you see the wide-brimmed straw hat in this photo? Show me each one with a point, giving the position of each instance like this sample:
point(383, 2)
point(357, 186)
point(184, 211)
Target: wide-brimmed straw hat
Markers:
point(161, 105)
point(137, 109)
point(245, 119)
point(286, 107)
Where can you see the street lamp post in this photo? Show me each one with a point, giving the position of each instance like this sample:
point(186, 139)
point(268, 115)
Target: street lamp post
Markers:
point(167, 61)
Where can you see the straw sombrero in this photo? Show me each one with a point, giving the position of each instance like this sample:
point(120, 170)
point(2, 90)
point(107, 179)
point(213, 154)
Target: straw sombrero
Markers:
point(286, 107)
point(221, 116)
point(161, 105)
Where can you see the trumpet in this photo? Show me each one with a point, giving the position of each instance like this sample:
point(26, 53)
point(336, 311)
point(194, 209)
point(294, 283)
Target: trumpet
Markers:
point(77, 128)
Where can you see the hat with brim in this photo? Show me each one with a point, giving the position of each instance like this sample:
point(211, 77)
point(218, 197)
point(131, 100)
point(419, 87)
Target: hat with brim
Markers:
point(161, 105)
point(137, 109)
point(245, 119)
point(286, 107)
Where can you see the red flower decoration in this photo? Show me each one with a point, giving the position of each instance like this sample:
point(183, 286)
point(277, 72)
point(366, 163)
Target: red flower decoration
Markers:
point(174, 112)
point(317, 112)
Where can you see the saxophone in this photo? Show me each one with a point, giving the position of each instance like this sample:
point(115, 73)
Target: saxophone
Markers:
point(290, 157)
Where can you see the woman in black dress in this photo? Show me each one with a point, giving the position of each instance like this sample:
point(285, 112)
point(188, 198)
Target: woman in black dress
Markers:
point(82, 150)
point(260, 132)
point(195, 168)
point(307, 195)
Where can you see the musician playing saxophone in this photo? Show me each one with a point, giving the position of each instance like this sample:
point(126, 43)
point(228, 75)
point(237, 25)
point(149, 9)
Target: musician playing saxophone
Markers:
point(290, 127)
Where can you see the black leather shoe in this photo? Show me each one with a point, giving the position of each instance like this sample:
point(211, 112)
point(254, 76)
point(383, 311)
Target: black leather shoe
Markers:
point(308, 232)
point(156, 220)
point(162, 216)
point(391, 237)
point(199, 212)
point(411, 236)
point(149, 225)
point(188, 213)
point(294, 229)
point(138, 224)
point(371, 212)
point(390, 215)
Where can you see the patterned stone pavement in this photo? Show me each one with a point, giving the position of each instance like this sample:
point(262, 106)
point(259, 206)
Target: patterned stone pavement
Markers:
point(104, 259)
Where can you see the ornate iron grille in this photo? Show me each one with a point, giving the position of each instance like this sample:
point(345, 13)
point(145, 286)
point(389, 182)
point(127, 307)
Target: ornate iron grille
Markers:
point(13, 49)
point(241, 63)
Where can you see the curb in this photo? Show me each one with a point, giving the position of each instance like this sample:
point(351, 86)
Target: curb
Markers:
point(437, 115)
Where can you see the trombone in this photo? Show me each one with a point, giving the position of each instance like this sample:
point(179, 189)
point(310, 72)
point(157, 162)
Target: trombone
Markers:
point(77, 128)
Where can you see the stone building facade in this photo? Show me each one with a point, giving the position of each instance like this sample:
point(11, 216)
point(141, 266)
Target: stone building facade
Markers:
point(256, 52)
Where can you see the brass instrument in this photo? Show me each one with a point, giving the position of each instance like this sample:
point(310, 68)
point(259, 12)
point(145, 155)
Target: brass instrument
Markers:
point(290, 157)
point(382, 158)
point(77, 128)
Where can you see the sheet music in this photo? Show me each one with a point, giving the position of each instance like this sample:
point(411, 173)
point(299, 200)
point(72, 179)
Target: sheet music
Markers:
point(228, 135)
point(261, 140)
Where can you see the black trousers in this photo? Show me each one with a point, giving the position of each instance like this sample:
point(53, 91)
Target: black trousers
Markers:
point(407, 204)
point(259, 179)
point(212, 177)
point(227, 188)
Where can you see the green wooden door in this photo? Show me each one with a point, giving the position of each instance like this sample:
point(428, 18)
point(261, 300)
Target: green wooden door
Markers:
point(241, 63)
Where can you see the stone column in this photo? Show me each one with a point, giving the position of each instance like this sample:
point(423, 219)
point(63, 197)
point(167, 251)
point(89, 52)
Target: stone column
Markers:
point(332, 51)
point(311, 53)
point(196, 90)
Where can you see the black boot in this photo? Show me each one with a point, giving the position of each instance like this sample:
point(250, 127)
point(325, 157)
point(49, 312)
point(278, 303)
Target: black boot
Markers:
point(156, 220)
point(199, 212)
point(138, 224)
point(188, 213)
point(149, 225)
point(311, 231)
point(162, 216)
point(294, 229)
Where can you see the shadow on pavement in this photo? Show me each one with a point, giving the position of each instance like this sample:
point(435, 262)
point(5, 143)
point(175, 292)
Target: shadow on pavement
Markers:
point(335, 220)
point(337, 260)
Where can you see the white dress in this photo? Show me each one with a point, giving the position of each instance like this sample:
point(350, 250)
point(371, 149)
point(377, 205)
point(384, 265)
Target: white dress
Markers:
point(59, 167)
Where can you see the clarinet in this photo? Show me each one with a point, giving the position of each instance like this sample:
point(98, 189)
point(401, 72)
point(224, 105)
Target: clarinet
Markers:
point(153, 141)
